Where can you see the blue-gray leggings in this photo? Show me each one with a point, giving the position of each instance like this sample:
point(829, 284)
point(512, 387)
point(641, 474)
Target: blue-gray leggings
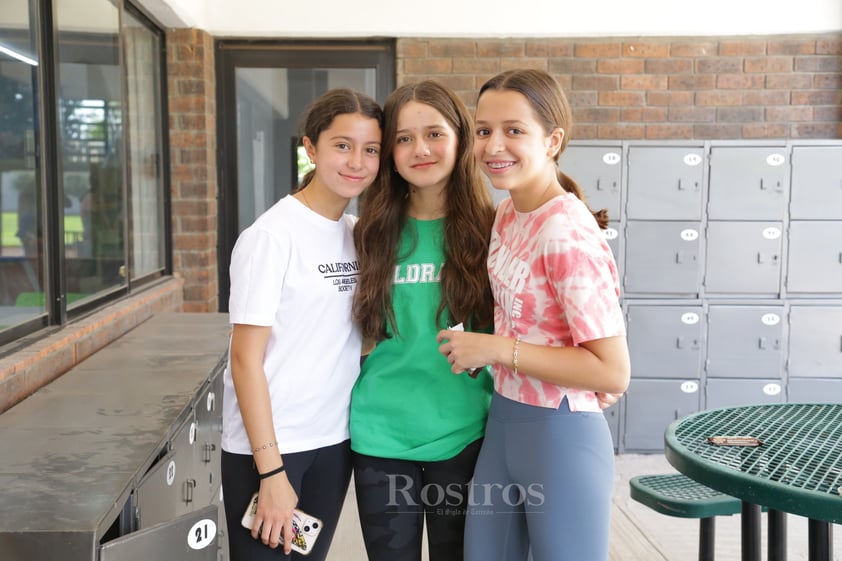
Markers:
point(543, 481)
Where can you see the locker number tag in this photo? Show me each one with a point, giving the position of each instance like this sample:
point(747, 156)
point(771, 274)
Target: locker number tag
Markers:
point(611, 158)
point(211, 401)
point(689, 387)
point(202, 534)
point(192, 435)
point(775, 159)
point(610, 233)
point(689, 235)
point(690, 318)
point(770, 319)
point(170, 473)
point(771, 233)
point(772, 389)
point(692, 159)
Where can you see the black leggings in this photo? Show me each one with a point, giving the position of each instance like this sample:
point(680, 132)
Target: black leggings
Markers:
point(320, 479)
point(393, 497)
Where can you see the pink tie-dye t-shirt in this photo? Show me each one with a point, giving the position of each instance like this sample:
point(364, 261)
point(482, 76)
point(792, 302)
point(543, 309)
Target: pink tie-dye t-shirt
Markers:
point(555, 283)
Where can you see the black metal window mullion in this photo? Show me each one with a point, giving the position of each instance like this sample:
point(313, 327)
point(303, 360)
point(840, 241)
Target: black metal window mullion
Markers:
point(50, 165)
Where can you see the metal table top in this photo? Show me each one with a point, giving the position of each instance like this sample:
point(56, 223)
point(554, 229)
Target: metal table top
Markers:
point(797, 468)
point(72, 451)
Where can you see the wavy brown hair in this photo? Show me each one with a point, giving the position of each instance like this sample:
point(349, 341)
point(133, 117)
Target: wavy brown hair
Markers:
point(469, 216)
point(552, 109)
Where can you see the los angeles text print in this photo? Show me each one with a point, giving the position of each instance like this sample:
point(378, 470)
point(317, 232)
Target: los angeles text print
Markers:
point(343, 274)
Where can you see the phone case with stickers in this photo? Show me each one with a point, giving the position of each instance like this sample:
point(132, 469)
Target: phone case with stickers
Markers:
point(305, 528)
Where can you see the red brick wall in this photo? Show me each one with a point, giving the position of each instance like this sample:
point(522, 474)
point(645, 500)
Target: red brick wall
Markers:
point(653, 88)
point(660, 88)
point(192, 109)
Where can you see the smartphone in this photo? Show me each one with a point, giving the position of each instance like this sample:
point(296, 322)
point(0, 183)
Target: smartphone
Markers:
point(305, 528)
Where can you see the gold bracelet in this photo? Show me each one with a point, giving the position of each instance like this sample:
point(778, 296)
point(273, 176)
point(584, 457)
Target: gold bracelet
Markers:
point(264, 447)
point(515, 350)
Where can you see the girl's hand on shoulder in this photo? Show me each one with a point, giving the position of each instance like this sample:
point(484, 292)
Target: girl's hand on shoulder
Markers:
point(464, 350)
point(276, 500)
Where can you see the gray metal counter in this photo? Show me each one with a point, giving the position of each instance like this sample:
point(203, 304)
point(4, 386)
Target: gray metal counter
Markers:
point(77, 456)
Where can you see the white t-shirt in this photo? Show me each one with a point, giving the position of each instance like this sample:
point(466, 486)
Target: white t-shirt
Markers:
point(296, 271)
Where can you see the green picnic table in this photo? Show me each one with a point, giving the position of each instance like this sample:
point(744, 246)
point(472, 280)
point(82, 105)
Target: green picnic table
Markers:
point(796, 467)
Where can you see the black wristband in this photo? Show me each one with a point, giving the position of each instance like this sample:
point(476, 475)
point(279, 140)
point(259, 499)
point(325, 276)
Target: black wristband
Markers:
point(275, 471)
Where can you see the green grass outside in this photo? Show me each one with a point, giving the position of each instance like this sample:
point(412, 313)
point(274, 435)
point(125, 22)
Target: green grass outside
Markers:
point(72, 223)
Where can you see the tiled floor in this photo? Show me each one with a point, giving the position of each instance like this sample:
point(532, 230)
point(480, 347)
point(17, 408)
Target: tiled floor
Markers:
point(638, 533)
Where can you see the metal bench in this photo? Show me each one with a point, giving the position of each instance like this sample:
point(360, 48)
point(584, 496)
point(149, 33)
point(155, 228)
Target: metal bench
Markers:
point(678, 495)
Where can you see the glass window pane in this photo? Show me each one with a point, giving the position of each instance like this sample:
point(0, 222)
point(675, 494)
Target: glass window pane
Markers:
point(90, 133)
point(21, 214)
point(145, 147)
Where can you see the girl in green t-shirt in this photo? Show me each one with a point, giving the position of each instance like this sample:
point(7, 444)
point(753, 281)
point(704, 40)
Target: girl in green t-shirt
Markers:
point(422, 241)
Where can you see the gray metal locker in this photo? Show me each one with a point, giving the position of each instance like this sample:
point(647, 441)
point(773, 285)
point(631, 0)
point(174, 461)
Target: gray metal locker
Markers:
point(665, 182)
point(748, 183)
point(815, 257)
point(663, 258)
point(814, 390)
point(816, 192)
point(207, 448)
point(651, 405)
point(92, 450)
point(729, 392)
point(815, 341)
point(745, 342)
point(665, 341)
point(166, 490)
point(191, 537)
point(598, 171)
point(744, 258)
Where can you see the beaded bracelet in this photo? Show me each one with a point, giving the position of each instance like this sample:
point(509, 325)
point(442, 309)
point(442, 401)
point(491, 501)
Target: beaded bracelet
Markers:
point(264, 447)
point(515, 350)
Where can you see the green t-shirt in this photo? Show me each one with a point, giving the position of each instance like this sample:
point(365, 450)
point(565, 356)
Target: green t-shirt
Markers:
point(407, 404)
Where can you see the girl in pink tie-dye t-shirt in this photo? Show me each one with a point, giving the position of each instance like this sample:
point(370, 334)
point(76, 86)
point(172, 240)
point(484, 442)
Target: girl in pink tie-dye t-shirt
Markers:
point(544, 475)
point(555, 284)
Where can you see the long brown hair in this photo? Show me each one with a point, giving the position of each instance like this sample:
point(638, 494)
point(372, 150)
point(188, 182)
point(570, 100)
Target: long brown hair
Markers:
point(552, 109)
point(469, 215)
point(320, 115)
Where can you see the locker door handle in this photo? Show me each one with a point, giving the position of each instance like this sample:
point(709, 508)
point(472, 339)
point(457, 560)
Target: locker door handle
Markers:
point(680, 258)
point(776, 185)
point(682, 185)
point(209, 449)
point(762, 344)
point(840, 256)
point(189, 485)
point(761, 258)
point(680, 344)
point(599, 184)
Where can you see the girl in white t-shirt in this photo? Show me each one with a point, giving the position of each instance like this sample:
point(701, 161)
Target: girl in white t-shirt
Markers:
point(295, 350)
point(544, 475)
